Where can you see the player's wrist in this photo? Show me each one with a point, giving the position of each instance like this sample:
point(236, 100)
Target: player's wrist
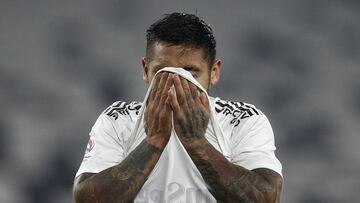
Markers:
point(157, 142)
point(194, 143)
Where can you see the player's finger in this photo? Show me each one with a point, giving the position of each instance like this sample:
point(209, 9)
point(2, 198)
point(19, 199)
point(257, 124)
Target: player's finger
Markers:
point(160, 86)
point(165, 113)
point(166, 88)
point(194, 91)
point(187, 91)
point(167, 106)
point(180, 94)
point(204, 100)
point(154, 87)
point(173, 101)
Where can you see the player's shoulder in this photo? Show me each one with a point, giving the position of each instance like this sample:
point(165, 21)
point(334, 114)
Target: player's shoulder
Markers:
point(123, 109)
point(234, 112)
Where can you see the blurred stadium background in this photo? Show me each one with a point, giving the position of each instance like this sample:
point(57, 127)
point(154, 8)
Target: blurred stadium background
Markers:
point(63, 62)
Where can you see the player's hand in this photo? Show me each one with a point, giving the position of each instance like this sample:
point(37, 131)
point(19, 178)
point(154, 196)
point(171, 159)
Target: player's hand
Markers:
point(158, 113)
point(191, 111)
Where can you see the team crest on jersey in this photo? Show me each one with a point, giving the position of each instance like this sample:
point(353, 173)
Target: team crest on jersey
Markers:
point(89, 147)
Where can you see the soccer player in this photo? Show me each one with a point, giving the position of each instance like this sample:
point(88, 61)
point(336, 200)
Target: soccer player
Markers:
point(197, 169)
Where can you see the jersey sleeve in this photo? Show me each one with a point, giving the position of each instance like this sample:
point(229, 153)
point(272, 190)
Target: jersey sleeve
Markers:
point(253, 145)
point(105, 147)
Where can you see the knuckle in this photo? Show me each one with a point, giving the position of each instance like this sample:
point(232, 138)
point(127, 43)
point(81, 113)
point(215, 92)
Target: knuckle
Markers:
point(163, 119)
point(162, 115)
point(181, 99)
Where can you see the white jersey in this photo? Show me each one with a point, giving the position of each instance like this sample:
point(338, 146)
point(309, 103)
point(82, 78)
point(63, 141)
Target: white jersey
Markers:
point(247, 130)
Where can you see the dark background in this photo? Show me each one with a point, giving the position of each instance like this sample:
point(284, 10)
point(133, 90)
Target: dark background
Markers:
point(63, 62)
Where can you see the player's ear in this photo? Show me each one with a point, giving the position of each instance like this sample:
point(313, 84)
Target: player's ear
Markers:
point(215, 72)
point(145, 69)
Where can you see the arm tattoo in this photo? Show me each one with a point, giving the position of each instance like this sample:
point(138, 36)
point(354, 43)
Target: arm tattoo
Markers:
point(194, 128)
point(122, 182)
point(231, 183)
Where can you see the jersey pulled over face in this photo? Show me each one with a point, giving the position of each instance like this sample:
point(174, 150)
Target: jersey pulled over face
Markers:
point(186, 57)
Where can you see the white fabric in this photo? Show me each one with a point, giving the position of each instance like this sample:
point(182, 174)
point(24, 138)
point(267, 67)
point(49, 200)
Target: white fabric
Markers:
point(239, 131)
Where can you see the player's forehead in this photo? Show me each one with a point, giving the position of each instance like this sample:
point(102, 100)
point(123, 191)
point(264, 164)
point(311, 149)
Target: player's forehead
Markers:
point(179, 54)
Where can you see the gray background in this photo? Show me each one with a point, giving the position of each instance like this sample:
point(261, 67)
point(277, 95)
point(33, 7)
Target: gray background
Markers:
point(63, 62)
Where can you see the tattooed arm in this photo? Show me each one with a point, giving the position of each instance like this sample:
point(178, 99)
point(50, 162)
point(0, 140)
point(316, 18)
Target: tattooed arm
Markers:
point(122, 182)
point(228, 182)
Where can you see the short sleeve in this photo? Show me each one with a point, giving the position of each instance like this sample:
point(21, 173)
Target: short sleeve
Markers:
point(105, 147)
point(253, 145)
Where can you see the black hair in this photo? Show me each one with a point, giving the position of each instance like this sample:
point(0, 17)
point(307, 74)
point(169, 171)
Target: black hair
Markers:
point(182, 29)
